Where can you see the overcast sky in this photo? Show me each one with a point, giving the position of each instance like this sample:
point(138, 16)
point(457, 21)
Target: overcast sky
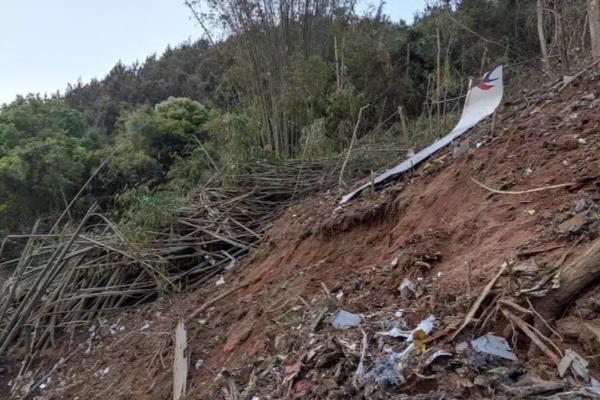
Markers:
point(46, 44)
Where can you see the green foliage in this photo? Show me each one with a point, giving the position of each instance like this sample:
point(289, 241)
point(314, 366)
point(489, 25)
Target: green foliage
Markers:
point(43, 158)
point(141, 128)
point(193, 170)
point(37, 175)
point(315, 142)
point(147, 210)
point(181, 117)
point(164, 133)
point(237, 137)
point(34, 116)
point(128, 168)
point(342, 110)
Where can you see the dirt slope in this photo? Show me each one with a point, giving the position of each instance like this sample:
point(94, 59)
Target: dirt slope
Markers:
point(438, 228)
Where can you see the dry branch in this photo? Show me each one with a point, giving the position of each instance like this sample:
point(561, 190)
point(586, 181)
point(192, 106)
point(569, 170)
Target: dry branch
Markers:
point(67, 279)
point(475, 307)
point(541, 189)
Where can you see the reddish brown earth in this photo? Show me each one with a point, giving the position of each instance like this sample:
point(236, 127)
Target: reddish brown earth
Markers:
point(438, 217)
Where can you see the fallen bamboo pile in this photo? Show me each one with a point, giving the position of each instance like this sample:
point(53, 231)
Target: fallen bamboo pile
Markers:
point(71, 277)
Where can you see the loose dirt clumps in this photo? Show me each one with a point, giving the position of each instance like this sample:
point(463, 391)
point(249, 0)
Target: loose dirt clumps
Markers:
point(425, 246)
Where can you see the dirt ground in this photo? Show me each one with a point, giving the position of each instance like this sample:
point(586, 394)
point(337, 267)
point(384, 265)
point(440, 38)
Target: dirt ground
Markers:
point(268, 334)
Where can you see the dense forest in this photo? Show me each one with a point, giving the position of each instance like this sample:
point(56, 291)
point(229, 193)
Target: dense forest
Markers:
point(286, 80)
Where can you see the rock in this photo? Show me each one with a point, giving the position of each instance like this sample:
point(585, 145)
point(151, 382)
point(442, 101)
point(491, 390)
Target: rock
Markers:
point(577, 223)
point(460, 149)
point(407, 289)
point(462, 347)
point(569, 327)
point(104, 331)
point(581, 205)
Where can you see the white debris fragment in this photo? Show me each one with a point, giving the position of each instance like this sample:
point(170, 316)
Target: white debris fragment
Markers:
point(146, 326)
point(495, 346)
point(578, 364)
point(407, 288)
point(339, 296)
point(230, 265)
point(46, 384)
point(180, 361)
point(221, 281)
point(344, 319)
point(426, 326)
point(594, 386)
point(105, 371)
point(395, 333)
point(399, 313)
point(198, 364)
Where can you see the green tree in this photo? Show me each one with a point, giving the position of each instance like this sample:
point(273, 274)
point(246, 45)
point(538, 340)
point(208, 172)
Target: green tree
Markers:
point(165, 131)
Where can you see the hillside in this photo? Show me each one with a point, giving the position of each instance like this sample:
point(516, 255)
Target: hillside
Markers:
point(266, 332)
point(178, 229)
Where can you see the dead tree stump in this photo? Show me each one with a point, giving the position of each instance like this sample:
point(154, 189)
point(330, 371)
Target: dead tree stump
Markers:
point(576, 277)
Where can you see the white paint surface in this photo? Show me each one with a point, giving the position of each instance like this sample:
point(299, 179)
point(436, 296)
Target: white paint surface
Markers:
point(479, 104)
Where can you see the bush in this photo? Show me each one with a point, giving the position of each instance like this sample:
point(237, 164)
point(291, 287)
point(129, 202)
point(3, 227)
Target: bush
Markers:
point(147, 210)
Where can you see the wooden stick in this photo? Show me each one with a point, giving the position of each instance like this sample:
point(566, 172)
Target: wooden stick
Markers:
point(532, 335)
point(578, 75)
point(85, 185)
point(216, 299)
point(484, 293)
point(352, 141)
point(522, 191)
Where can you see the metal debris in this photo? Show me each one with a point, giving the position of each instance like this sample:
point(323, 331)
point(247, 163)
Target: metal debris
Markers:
point(396, 333)
point(578, 364)
point(408, 288)
point(384, 370)
point(146, 326)
point(426, 326)
point(436, 355)
point(495, 346)
point(344, 319)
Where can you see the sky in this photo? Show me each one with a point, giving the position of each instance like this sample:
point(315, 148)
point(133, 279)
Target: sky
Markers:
point(44, 45)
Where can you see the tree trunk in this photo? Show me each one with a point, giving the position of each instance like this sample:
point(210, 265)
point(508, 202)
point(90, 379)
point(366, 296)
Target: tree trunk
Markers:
point(560, 32)
point(438, 74)
point(594, 20)
point(542, 35)
point(576, 277)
